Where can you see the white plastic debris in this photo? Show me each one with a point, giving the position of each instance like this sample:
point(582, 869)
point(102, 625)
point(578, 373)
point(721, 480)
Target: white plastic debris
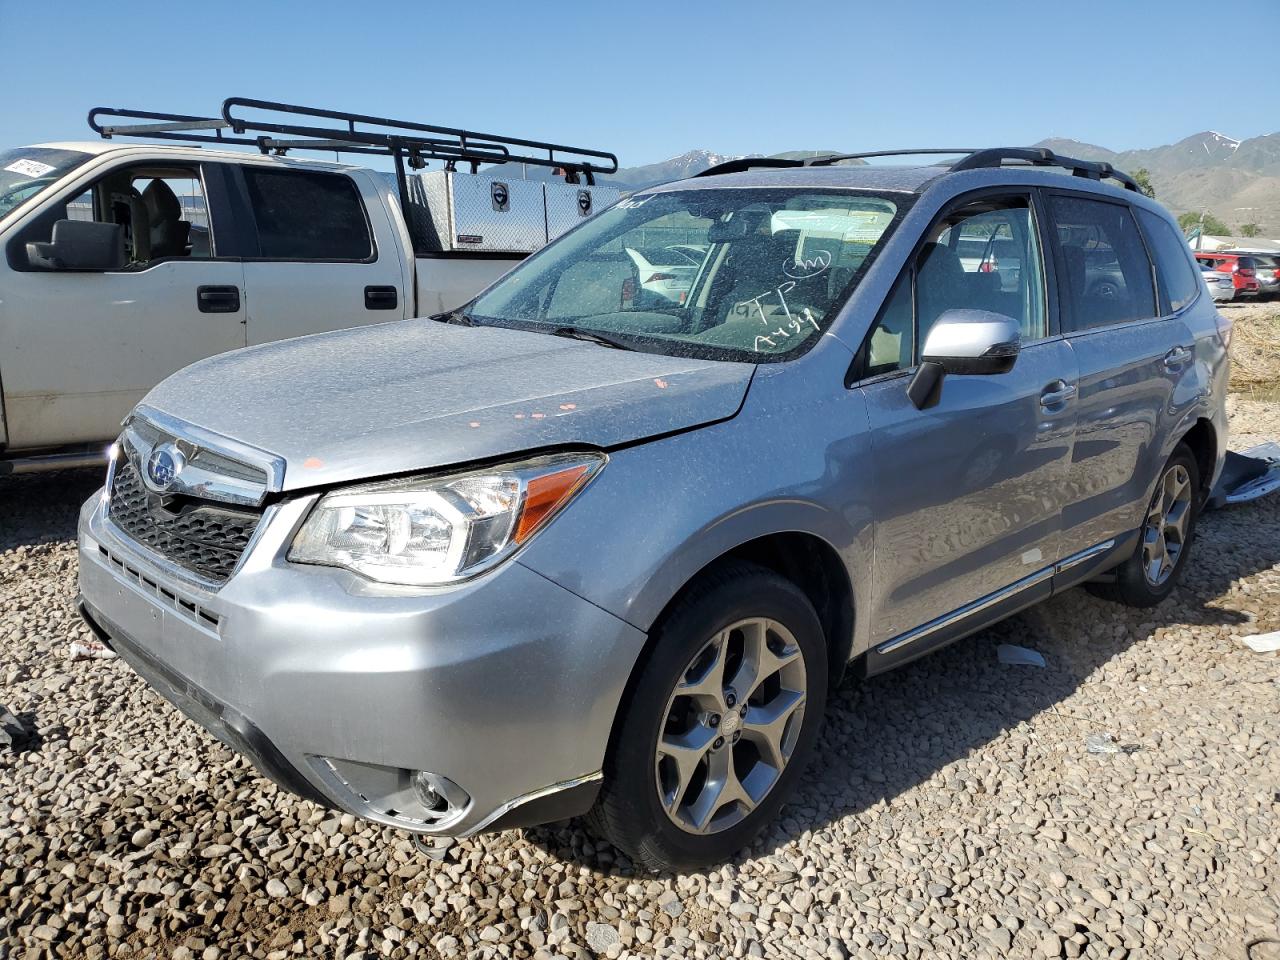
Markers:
point(1102, 743)
point(90, 650)
point(1013, 655)
point(1263, 642)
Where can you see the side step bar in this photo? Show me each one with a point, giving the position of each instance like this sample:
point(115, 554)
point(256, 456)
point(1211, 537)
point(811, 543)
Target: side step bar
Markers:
point(49, 462)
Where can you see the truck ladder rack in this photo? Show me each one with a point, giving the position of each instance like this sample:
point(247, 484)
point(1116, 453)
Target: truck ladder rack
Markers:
point(404, 140)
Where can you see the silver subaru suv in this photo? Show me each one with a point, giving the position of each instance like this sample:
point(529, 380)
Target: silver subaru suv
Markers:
point(601, 541)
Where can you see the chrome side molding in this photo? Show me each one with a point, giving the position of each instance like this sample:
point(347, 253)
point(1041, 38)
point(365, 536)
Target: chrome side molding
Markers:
point(991, 599)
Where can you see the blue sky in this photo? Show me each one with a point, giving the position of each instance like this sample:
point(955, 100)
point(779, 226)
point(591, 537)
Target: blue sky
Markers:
point(652, 79)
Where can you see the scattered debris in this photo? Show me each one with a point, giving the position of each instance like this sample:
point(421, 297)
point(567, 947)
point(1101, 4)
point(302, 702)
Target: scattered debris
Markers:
point(1102, 743)
point(11, 730)
point(437, 848)
point(90, 650)
point(1248, 475)
point(1263, 642)
point(1013, 655)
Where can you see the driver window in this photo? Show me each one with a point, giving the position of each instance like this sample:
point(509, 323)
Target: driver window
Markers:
point(983, 256)
point(163, 212)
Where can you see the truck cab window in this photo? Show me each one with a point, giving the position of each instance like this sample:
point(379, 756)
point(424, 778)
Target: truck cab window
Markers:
point(162, 209)
point(308, 216)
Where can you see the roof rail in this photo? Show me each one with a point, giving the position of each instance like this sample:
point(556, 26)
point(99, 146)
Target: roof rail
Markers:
point(971, 159)
point(1044, 157)
point(404, 140)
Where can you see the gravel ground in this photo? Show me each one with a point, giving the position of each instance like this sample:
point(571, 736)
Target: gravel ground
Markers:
point(956, 809)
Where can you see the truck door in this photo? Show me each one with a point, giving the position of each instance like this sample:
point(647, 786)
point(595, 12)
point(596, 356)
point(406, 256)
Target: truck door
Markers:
point(81, 347)
point(326, 256)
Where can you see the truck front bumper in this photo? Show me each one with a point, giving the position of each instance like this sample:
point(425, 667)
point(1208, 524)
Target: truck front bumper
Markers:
point(500, 693)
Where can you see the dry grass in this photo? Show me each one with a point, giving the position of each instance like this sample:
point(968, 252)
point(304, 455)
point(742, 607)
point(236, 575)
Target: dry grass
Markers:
point(1255, 349)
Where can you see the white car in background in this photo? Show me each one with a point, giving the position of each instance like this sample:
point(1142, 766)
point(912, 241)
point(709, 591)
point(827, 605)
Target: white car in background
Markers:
point(1221, 287)
point(667, 272)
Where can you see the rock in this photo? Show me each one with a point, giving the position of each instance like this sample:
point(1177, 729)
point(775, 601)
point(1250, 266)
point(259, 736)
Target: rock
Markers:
point(276, 888)
point(12, 732)
point(601, 936)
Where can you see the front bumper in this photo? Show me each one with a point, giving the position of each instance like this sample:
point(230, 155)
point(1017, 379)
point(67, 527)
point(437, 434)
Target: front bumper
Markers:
point(340, 689)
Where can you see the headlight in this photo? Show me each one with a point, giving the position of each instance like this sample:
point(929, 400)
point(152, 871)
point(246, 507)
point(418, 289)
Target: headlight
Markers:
point(440, 529)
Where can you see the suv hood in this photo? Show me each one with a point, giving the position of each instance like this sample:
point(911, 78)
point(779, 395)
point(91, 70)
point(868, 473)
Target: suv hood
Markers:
point(418, 394)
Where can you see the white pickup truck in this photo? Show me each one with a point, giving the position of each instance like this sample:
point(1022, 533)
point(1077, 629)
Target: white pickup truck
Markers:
point(121, 263)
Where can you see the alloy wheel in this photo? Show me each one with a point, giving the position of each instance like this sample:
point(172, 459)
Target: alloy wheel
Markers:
point(730, 726)
point(1165, 532)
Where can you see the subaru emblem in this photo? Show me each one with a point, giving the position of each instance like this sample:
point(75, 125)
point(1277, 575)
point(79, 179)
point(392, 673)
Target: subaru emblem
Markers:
point(163, 466)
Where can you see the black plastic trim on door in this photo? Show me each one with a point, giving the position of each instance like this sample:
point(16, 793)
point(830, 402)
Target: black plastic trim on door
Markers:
point(218, 299)
point(381, 298)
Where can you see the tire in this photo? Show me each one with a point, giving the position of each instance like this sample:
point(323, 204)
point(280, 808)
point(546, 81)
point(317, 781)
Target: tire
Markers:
point(1134, 584)
point(769, 615)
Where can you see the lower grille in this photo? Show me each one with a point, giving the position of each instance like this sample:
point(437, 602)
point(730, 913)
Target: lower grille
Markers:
point(204, 538)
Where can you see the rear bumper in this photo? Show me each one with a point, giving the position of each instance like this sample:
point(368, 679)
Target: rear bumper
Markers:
point(340, 690)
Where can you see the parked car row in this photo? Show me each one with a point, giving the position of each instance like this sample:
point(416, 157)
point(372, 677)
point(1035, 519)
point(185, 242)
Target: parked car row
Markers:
point(1250, 274)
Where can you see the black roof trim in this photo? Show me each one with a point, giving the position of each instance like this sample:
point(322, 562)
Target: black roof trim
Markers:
point(971, 159)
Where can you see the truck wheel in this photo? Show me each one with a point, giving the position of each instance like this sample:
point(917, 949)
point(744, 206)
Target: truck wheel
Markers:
point(1151, 573)
point(719, 724)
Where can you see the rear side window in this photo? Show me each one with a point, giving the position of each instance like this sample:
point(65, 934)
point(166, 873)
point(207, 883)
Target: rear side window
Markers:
point(308, 216)
point(1177, 279)
point(1105, 276)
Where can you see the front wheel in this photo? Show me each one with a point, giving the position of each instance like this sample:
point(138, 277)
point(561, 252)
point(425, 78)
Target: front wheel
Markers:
point(719, 723)
point(1151, 573)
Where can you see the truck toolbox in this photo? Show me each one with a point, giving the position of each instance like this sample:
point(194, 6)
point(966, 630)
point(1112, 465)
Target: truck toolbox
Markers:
point(568, 204)
point(458, 212)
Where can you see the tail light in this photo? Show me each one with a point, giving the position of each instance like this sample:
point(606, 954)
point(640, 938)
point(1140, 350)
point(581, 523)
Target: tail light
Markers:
point(1243, 271)
point(988, 266)
point(628, 291)
point(661, 276)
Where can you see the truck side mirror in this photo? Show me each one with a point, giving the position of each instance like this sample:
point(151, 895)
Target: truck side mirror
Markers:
point(80, 245)
point(966, 342)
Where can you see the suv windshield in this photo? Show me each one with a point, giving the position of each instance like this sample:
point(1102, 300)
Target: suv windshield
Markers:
point(759, 272)
point(26, 171)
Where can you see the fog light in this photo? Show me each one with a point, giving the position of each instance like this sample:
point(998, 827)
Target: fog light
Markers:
point(439, 795)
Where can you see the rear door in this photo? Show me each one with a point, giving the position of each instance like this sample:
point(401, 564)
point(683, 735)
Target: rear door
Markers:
point(966, 495)
point(81, 347)
point(1132, 352)
point(322, 255)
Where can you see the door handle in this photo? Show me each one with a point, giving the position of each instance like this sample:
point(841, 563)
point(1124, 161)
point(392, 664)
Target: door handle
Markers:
point(1177, 358)
point(1056, 393)
point(381, 298)
point(217, 299)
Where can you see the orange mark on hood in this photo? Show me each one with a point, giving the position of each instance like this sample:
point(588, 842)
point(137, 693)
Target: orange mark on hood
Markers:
point(660, 383)
point(474, 423)
point(568, 406)
point(313, 463)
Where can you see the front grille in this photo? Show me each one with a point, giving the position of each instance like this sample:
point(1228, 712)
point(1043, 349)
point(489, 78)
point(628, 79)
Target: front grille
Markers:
point(204, 538)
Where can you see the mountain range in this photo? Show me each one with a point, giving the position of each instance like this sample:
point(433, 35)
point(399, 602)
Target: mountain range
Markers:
point(1238, 181)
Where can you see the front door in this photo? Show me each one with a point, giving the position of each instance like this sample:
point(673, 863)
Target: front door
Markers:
point(967, 494)
point(80, 348)
point(317, 265)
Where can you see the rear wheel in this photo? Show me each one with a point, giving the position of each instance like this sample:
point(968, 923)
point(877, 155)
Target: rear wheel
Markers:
point(719, 724)
point(1153, 570)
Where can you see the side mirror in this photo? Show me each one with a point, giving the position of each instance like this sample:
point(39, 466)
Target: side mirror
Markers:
point(80, 245)
point(964, 342)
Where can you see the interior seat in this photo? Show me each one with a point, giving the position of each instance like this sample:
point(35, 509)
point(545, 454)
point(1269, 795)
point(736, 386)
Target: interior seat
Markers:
point(169, 232)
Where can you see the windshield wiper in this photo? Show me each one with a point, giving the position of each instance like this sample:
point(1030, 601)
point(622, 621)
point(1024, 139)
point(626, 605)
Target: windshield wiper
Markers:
point(573, 333)
point(456, 317)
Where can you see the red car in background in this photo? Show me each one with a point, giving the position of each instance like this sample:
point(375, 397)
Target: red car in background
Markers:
point(1242, 267)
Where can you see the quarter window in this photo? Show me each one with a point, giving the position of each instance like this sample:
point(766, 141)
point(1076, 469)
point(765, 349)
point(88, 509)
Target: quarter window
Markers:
point(1177, 279)
point(983, 256)
point(1105, 275)
point(308, 216)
